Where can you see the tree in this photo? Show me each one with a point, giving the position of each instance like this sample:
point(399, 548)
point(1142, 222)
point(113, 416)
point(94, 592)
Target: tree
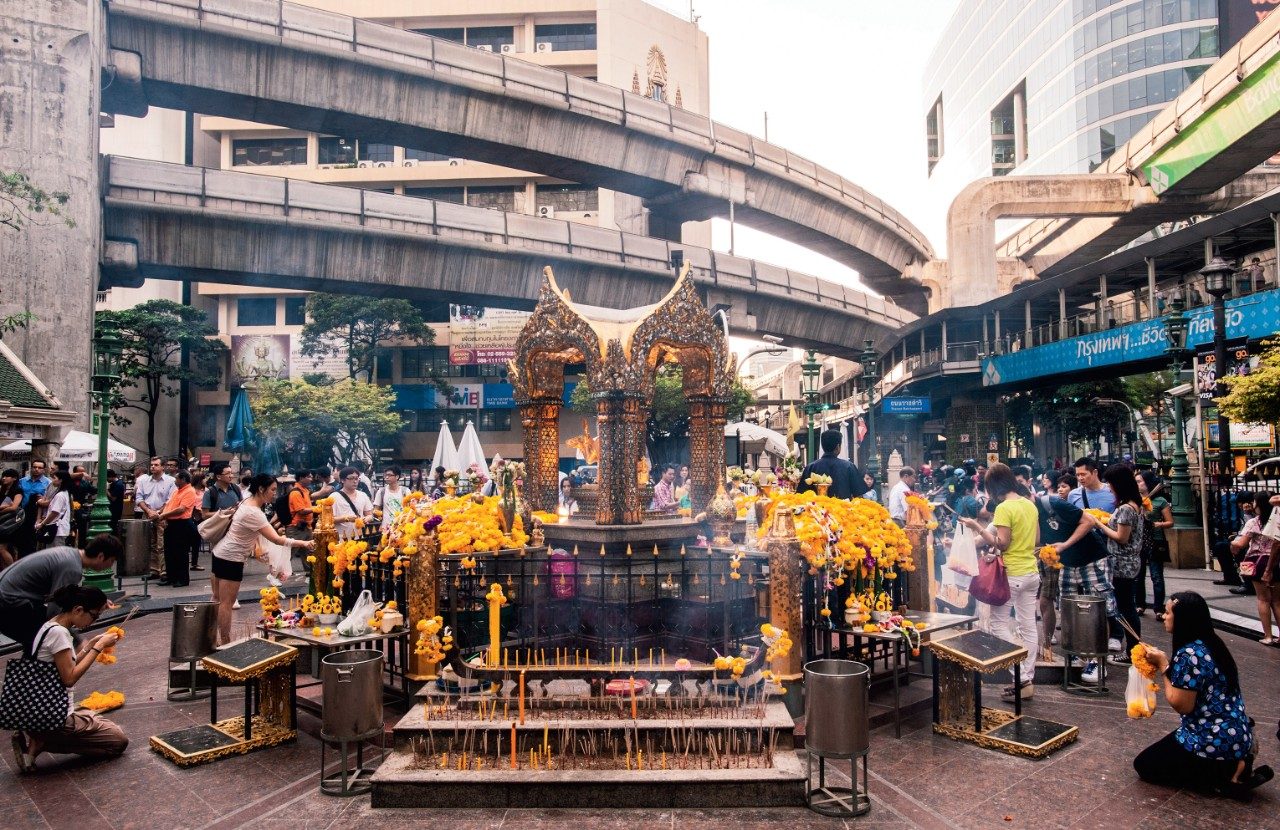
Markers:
point(359, 327)
point(1255, 398)
point(154, 334)
point(21, 201)
point(1076, 408)
point(322, 424)
point(669, 413)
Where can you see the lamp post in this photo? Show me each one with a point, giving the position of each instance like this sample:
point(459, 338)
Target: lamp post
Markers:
point(870, 374)
point(810, 371)
point(1184, 513)
point(107, 350)
point(1217, 281)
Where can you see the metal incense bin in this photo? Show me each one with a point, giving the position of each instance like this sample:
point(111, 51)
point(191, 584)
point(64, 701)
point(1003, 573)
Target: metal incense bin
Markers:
point(1084, 635)
point(352, 714)
point(836, 726)
point(193, 635)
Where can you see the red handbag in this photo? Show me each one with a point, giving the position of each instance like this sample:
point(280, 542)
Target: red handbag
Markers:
point(991, 585)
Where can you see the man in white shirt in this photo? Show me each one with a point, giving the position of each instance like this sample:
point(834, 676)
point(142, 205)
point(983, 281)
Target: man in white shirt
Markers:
point(351, 504)
point(390, 499)
point(898, 495)
point(150, 494)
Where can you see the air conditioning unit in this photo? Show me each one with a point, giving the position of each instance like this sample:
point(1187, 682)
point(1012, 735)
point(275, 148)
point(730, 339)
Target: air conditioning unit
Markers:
point(508, 48)
point(546, 212)
point(364, 164)
point(484, 47)
point(545, 46)
point(455, 162)
point(382, 164)
point(410, 162)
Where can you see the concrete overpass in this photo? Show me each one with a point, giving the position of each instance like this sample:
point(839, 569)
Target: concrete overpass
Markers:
point(170, 221)
point(303, 68)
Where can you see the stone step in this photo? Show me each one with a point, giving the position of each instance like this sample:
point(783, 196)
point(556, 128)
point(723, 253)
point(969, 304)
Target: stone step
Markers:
point(400, 783)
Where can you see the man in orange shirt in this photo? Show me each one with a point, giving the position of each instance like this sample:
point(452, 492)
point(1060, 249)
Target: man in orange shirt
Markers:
point(300, 515)
point(179, 531)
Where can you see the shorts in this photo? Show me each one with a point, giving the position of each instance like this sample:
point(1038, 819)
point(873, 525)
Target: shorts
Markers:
point(228, 570)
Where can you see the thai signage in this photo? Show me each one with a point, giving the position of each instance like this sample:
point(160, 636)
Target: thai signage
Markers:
point(906, 406)
point(479, 335)
point(1250, 318)
point(465, 396)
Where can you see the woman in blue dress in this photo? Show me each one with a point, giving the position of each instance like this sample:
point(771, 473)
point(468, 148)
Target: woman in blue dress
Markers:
point(1213, 748)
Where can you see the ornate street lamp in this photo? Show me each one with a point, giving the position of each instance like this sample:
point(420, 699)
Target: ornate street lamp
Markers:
point(870, 374)
point(107, 351)
point(810, 371)
point(1184, 513)
point(1217, 281)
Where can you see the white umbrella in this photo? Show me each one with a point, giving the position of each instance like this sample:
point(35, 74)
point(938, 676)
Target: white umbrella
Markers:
point(844, 441)
point(774, 443)
point(469, 449)
point(79, 446)
point(446, 454)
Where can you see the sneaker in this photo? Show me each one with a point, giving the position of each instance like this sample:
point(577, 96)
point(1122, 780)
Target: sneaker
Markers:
point(1091, 672)
point(1114, 644)
point(236, 604)
point(273, 581)
point(21, 756)
point(1119, 660)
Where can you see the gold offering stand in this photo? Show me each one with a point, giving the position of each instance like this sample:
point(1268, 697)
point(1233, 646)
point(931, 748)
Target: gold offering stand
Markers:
point(266, 670)
point(958, 712)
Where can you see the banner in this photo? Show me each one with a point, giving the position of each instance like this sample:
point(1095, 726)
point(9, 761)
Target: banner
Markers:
point(906, 406)
point(479, 335)
point(1241, 360)
point(258, 357)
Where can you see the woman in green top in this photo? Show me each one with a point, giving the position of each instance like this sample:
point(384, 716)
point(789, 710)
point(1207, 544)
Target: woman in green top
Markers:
point(1160, 517)
point(1014, 535)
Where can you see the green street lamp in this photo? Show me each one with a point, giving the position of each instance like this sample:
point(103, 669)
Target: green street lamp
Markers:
point(1184, 512)
point(1217, 281)
point(107, 351)
point(870, 374)
point(810, 371)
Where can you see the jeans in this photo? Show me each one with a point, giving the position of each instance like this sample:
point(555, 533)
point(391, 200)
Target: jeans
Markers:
point(1022, 628)
point(1156, 568)
point(1126, 604)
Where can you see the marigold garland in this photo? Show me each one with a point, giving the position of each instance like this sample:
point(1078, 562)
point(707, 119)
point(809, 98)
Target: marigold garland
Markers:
point(1049, 556)
point(103, 701)
point(108, 654)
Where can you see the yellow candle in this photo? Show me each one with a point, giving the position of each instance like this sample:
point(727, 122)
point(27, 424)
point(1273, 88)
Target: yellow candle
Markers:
point(522, 697)
point(546, 734)
point(496, 601)
point(602, 550)
point(635, 656)
point(533, 759)
point(650, 658)
point(504, 658)
point(628, 548)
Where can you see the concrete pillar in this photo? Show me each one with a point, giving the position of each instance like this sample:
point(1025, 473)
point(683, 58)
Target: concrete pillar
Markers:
point(1019, 126)
point(1102, 302)
point(997, 325)
point(944, 340)
point(985, 337)
point(1062, 313)
point(1026, 308)
point(921, 344)
point(1208, 250)
point(49, 132)
point(1275, 240)
point(1151, 287)
point(313, 150)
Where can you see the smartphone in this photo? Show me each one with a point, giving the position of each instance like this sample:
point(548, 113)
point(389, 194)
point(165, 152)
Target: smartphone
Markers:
point(946, 507)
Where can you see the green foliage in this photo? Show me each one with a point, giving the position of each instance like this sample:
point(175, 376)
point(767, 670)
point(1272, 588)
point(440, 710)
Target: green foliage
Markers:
point(16, 321)
point(22, 201)
point(154, 335)
point(361, 327)
point(1255, 398)
point(669, 415)
point(322, 424)
point(1076, 410)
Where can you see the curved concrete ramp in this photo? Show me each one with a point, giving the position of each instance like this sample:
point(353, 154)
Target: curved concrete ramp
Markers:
point(299, 67)
point(250, 229)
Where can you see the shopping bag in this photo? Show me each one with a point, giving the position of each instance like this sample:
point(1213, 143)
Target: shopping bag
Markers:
point(216, 526)
point(357, 622)
point(991, 585)
point(279, 559)
point(1139, 695)
point(963, 558)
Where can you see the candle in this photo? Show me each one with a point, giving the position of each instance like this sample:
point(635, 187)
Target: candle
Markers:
point(522, 697)
point(635, 656)
point(586, 658)
point(633, 697)
point(533, 759)
point(513, 745)
point(504, 658)
point(663, 660)
point(546, 742)
point(506, 708)
point(650, 658)
point(664, 759)
point(496, 601)
point(602, 550)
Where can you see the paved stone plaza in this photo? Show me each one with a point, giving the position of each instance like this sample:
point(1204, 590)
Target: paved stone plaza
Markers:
point(920, 781)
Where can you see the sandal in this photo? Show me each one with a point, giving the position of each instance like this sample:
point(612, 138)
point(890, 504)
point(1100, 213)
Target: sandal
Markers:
point(1267, 641)
point(25, 763)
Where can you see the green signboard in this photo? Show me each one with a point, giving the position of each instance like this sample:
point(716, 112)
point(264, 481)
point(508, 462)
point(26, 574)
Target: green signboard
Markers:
point(1252, 103)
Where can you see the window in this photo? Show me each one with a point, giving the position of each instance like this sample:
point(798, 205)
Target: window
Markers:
point(495, 37)
point(337, 151)
point(495, 198)
point(383, 367)
point(422, 362)
point(494, 420)
point(457, 35)
point(568, 197)
point(933, 132)
point(295, 311)
point(566, 36)
point(256, 311)
point(368, 151)
point(268, 152)
point(428, 420)
point(457, 195)
point(425, 155)
point(658, 92)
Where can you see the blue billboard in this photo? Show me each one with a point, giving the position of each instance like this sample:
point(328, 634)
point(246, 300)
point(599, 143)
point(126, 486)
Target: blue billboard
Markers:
point(1252, 317)
point(906, 406)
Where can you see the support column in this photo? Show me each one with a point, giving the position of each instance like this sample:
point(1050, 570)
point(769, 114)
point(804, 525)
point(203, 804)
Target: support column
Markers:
point(540, 418)
point(1026, 310)
point(706, 449)
point(944, 341)
point(1062, 314)
point(1019, 126)
point(1151, 287)
point(621, 428)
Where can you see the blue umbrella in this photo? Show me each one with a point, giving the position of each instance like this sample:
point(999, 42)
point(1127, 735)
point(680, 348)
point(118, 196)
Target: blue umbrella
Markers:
point(240, 436)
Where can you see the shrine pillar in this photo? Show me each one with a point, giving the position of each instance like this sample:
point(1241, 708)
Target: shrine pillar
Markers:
point(621, 427)
point(540, 418)
point(706, 449)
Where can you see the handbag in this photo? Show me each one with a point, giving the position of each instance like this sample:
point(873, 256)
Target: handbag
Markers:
point(216, 526)
point(991, 585)
point(1254, 565)
point(33, 698)
point(11, 521)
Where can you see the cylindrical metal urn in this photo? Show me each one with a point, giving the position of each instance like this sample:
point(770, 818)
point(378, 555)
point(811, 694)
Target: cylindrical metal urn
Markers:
point(194, 630)
point(835, 708)
point(352, 694)
point(1084, 624)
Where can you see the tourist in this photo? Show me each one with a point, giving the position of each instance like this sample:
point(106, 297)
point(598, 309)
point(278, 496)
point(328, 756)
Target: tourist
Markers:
point(85, 732)
point(29, 582)
point(351, 503)
point(898, 495)
point(83, 492)
point(1212, 749)
point(1064, 526)
point(1091, 492)
point(437, 485)
point(1159, 518)
point(115, 498)
point(54, 525)
point(178, 530)
point(1013, 536)
point(968, 505)
point(300, 513)
point(847, 481)
point(1236, 509)
point(683, 488)
point(566, 502)
point(248, 522)
point(1066, 482)
point(390, 499)
point(664, 492)
point(150, 493)
point(33, 485)
point(11, 516)
point(199, 483)
point(416, 483)
point(1256, 564)
point(1124, 533)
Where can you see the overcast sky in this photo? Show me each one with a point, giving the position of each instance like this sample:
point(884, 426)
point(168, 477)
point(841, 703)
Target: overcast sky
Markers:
point(841, 81)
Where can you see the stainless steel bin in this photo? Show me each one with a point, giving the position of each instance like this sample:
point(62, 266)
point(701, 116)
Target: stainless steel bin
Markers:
point(1084, 624)
point(136, 534)
point(194, 631)
point(352, 714)
point(836, 726)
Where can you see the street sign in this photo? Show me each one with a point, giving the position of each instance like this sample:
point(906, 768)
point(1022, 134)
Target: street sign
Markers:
point(906, 406)
point(993, 458)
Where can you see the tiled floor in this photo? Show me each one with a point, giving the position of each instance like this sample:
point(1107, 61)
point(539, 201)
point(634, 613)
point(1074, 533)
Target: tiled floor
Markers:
point(920, 781)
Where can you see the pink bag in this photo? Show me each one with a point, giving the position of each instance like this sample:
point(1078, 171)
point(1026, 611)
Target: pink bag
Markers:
point(564, 574)
point(991, 585)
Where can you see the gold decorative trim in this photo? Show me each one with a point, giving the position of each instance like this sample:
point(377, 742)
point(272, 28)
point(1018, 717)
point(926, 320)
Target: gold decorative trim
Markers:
point(251, 671)
point(265, 734)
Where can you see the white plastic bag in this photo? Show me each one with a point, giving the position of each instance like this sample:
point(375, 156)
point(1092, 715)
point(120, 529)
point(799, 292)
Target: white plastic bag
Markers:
point(963, 558)
point(1139, 695)
point(357, 622)
point(279, 559)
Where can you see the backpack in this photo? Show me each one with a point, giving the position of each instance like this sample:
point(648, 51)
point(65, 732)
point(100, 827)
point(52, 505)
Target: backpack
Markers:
point(282, 508)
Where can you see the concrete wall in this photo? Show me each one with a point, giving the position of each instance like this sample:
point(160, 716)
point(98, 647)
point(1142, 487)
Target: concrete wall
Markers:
point(49, 92)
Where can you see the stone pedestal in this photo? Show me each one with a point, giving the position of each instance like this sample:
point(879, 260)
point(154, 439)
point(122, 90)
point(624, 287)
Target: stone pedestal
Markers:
point(1186, 547)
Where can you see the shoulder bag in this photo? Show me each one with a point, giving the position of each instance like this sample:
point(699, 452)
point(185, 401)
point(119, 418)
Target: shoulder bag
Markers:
point(216, 526)
point(33, 698)
point(991, 585)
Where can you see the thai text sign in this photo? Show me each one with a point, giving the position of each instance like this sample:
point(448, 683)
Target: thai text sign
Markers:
point(479, 335)
point(906, 406)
